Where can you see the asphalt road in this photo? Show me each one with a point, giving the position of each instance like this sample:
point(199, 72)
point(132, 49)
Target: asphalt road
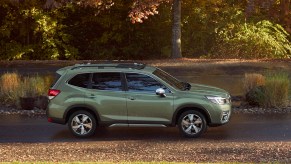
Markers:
point(241, 128)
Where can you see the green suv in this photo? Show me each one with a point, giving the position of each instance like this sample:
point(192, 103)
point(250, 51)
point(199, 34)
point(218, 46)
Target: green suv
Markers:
point(133, 95)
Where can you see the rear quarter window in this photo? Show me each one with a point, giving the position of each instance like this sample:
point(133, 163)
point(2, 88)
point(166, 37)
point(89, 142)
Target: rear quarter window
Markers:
point(80, 80)
point(55, 79)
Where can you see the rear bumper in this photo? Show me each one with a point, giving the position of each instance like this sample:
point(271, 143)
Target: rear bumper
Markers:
point(56, 120)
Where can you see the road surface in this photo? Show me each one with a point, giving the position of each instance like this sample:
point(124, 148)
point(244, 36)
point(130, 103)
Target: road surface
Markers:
point(242, 127)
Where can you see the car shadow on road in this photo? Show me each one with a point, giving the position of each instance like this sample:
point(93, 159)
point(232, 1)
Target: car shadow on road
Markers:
point(141, 134)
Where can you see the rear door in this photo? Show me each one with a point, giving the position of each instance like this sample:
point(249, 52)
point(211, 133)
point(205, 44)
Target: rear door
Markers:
point(106, 94)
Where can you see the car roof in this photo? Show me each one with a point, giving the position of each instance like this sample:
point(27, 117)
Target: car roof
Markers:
point(88, 67)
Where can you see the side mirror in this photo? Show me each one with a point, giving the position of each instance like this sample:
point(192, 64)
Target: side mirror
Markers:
point(161, 92)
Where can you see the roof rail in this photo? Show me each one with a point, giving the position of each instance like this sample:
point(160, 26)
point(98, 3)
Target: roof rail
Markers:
point(131, 65)
point(138, 66)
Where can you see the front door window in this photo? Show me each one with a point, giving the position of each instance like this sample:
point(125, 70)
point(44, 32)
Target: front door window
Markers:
point(142, 83)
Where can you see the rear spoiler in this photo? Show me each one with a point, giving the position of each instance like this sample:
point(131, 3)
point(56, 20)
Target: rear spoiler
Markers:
point(63, 70)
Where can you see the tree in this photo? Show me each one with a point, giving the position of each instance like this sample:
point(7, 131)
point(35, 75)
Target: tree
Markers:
point(285, 16)
point(27, 31)
point(276, 10)
point(176, 29)
point(142, 9)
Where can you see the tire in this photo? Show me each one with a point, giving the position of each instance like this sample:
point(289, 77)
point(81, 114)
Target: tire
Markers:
point(82, 128)
point(192, 124)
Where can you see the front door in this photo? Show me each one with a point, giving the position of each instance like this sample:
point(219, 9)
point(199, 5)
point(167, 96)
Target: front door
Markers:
point(143, 105)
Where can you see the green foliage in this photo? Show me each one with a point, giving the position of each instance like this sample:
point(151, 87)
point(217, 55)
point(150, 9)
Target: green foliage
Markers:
point(29, 32)
point(256, 96)
point(216, 29)
point(220, 29)
point(200, 21)
point(252, 40)
point(110, 34)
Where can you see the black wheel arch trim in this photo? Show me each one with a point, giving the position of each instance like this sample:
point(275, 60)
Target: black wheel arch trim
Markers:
point(92, 109)
point(197, 106)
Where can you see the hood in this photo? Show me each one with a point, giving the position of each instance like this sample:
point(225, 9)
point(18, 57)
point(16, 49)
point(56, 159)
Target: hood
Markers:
point(208, 90)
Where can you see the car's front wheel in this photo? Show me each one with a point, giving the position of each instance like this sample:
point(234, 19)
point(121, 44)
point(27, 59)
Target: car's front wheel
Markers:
point(192, 124)
point(82, 124)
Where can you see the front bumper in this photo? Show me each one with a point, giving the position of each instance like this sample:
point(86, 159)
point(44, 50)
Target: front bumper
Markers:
point(222, 116)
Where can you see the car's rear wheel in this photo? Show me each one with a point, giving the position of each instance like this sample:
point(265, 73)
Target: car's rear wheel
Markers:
point(192, 123)
point(82, 124)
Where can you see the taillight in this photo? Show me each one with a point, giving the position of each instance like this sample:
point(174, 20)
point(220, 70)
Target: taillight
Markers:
point(52, 93)
point(49, 119)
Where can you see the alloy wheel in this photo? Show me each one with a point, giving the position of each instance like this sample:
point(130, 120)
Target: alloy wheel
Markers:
point(192, 124)
point(81, 124)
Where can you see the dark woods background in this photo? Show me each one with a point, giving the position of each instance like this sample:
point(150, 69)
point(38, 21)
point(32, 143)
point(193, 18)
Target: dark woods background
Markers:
point(44, 29)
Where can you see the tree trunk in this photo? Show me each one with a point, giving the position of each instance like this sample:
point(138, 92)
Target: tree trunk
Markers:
point(176, 30)
point(285, 14)
point(250, 8)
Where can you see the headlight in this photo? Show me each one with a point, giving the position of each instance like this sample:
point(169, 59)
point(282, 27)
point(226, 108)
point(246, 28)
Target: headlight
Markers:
point(218, 100)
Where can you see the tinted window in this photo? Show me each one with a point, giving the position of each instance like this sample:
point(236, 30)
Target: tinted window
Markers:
point(169, 79)
point(142, 83)
point(107, 81)
point(80, 80)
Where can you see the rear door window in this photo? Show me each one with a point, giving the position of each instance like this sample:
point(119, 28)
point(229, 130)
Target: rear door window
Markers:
point(107, 81)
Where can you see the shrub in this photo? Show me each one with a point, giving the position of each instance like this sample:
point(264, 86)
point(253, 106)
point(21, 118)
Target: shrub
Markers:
point(35, 85)
point(269, 91)
point(13, 86)
point(256, 96)
point(276, 90)
point(9, 85)
point(252, 40)
point(253, 80)
point(29, 87)
point(253, 88)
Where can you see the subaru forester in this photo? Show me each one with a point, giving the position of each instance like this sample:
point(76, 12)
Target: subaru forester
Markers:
point(133, 95)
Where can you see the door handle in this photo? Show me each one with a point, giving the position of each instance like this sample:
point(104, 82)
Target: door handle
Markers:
point(92, 96)
point(131, 98)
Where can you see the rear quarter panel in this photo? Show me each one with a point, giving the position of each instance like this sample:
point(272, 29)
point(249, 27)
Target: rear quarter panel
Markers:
point(69, 96)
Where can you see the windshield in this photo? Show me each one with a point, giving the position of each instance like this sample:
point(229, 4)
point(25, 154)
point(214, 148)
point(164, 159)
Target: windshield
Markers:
point(171, 80)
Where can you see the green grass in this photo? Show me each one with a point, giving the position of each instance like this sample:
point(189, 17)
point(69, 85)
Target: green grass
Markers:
point(277, 89)
point(9, 87)
point(13, 86)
